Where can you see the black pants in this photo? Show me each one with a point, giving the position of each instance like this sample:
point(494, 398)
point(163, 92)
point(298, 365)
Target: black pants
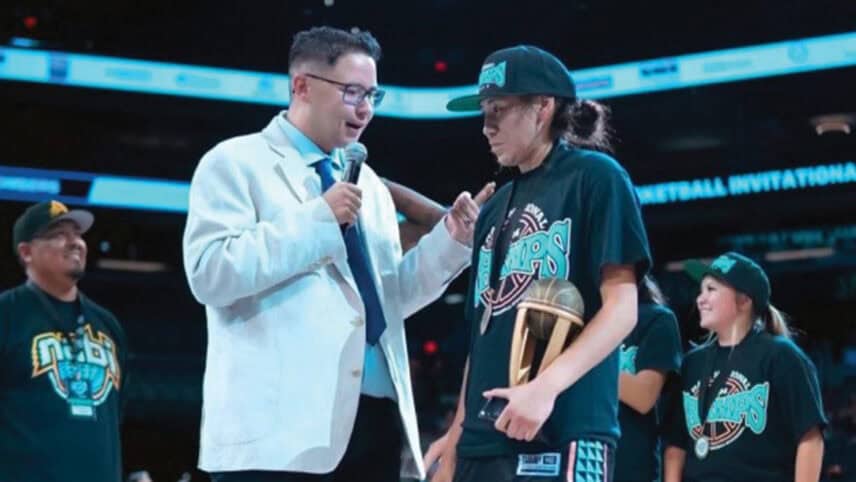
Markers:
point(581, 461)
point(373, 453)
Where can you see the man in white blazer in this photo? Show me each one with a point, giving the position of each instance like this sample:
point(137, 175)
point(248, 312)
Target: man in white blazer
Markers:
point(294, 387)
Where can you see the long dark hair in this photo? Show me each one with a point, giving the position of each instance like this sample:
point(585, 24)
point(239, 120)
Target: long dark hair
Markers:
point(583, 123)
point(650, 292)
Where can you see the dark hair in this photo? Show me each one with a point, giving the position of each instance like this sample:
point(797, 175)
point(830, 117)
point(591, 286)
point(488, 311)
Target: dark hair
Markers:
point(583, 123)
point(326, 44)
point(650, 292)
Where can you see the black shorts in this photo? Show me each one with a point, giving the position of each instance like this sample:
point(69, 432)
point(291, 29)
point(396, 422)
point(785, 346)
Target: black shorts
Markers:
point(581, 461)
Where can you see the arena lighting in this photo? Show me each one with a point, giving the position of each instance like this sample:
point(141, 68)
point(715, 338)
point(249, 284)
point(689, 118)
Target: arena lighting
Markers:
point(430, 347)
point(31, 22)
point(632, 78)
point(841, 123)
point(23, 42)
point(770, 256)
point(131, 265)
point(789, 239)
point(678, 266)
point(799, 254)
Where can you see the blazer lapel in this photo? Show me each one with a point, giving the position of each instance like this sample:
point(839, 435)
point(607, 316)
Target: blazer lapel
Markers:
point(292, 168)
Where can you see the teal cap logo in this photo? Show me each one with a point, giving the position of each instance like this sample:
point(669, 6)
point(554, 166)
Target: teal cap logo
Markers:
point(723, 264)
point(492, 75)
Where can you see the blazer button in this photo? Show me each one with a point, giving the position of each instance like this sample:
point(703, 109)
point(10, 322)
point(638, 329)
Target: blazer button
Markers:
point(358, 321)
point(356, 372)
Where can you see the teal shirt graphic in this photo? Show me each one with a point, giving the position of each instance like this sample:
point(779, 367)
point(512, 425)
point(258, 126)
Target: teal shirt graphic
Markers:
point(483, 273)
point(745, 407)
point(543, 254)
point(749, 407)
point(628, 359)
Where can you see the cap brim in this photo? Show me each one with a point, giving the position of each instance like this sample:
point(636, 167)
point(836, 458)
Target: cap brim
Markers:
point(83, 219)
point(466, 103)
point(698, 270)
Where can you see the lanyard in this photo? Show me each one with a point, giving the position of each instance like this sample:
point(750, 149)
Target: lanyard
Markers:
point(496, 262)
point(77, 335)
point(709, 392)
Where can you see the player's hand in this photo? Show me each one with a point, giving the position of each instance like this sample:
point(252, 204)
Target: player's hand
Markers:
point(461, 219)
point(529, 406)
point(442, 450)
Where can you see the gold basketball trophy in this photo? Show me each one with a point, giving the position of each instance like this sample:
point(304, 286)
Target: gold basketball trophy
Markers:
point(551, 314)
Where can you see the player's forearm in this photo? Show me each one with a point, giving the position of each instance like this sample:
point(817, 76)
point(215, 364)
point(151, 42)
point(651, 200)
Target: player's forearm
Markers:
point(455, 430)
point(641, 391)
point(416, 207)
point(603, 334)
point(809, 457)
point(673, 464)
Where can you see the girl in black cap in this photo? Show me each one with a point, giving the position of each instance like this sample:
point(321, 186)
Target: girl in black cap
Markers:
point(751, 400)
point(571, 213)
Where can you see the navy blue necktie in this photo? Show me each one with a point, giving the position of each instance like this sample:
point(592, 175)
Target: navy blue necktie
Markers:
point(358, 260)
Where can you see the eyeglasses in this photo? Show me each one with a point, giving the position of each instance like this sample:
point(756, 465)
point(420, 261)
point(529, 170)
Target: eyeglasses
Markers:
point(354, 94)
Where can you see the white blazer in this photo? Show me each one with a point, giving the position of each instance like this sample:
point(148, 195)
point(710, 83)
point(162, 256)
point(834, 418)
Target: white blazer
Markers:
point(263, 252)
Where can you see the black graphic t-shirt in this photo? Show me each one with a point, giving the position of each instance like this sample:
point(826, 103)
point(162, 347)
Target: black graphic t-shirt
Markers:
point(769, 401)
point(568, 218)
point(59, 415)
point(654, 344)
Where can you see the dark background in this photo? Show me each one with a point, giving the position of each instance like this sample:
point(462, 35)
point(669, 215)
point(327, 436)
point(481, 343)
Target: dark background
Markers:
point(715, 130)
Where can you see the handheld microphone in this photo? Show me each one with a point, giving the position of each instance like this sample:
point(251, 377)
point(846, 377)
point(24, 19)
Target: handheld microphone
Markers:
point(355, 154)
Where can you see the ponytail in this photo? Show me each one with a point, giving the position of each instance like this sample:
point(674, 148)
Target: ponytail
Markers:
point(775, 322)
point(582, 123)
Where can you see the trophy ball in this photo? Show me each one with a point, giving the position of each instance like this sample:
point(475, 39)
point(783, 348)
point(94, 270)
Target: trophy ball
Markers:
point(559, 294)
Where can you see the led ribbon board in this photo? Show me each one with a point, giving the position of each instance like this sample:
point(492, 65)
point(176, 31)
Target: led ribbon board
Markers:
point(632, 78)
point(809, 177)
point(81, 188)
point(88, 189)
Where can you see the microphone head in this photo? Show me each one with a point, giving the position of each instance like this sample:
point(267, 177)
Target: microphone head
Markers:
point(356, 152)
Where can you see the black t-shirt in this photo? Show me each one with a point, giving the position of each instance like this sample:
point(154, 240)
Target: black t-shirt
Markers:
point(565, 219)
point(769, 401)
point(654, 344)
point(59, 420)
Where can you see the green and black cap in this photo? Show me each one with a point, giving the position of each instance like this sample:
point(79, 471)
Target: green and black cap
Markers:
point(738, 271)
point(520, 70)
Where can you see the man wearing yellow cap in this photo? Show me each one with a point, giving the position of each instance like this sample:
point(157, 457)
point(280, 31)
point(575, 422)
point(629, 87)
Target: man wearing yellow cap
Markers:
point(62, 357)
